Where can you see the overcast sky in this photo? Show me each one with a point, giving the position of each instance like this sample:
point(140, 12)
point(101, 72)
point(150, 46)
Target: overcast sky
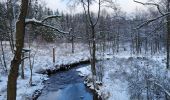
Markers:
point(126, 5)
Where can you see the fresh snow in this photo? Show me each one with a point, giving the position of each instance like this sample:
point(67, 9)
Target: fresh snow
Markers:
point(43, 61)
point(117, 71)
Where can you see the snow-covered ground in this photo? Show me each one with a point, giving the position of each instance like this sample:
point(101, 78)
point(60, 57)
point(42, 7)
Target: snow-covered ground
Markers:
point(124, 72)
point(120, 70)
point(43, 60)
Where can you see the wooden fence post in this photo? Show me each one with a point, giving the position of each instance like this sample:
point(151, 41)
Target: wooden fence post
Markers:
point(53, 55)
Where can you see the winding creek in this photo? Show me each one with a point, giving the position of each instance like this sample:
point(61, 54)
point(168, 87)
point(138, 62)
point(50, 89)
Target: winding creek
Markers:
point(66, 85)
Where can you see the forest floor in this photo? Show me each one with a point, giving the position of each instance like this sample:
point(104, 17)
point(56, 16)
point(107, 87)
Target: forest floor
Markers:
point(119, 70)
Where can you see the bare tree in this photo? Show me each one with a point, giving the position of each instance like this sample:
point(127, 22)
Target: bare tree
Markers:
point(92, 25)
point(31, 62)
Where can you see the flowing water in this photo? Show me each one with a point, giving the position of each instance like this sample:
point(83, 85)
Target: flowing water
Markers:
point(66, 85)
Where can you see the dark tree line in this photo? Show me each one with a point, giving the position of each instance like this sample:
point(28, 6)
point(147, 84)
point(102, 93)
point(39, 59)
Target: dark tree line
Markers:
point(115, 28)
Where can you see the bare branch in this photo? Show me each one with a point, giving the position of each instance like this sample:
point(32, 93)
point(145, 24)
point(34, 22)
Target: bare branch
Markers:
point(23, 59)
point(98, 13)
point(84, 4)
point(82, 1)
point(89, 14)
point(152, 4)
point(151, 20)
point(158, 28)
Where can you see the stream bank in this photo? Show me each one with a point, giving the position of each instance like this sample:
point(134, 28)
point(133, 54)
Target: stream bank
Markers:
point(67, 85)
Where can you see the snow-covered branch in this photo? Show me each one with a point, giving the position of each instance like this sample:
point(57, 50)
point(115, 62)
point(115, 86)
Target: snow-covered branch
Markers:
point(152, 4)
point(40, 23)
point(151, 20)
point(50, 17)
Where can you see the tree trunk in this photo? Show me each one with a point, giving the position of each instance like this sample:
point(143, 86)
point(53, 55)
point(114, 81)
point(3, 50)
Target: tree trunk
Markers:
point(93, 41)
point(72, 43)
point(93, 60)
point(11, 17)
point(12, 80)
point(31, 67)
point(11, 41)
point(93, 52)
point(3, 56)
point(168, 34)
point(20, 30)
point(117, 39)
point(22, 67)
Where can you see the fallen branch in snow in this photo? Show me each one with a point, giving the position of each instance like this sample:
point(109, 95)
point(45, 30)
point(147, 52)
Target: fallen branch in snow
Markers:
point(63, 67)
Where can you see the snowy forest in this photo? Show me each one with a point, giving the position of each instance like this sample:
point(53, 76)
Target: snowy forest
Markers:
point(107, 54)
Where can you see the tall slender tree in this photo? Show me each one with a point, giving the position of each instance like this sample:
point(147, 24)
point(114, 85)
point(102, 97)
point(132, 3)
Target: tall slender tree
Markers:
point(92, 25)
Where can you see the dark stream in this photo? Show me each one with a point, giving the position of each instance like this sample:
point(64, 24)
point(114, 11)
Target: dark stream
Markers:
point(66, 85)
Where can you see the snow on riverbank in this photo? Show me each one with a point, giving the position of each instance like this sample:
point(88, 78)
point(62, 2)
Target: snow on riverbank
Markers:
point(111, 90)
point(120, 73)
point(42, 61)
point(24, 91)
point(117, 70)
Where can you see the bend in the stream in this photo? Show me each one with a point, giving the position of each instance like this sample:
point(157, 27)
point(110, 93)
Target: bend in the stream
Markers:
point(67, 85)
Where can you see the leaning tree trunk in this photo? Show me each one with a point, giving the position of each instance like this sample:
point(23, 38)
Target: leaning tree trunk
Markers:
point(20, 32)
